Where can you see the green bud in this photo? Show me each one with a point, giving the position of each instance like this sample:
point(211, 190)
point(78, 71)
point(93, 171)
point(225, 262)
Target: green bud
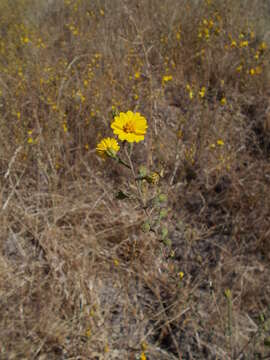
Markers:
point(162, 197)
point(146, 227)
point(143, 171)
point(163, 213)
point(164, 233)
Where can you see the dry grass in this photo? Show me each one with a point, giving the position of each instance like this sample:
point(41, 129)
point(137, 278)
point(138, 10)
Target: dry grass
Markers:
point(79, 278)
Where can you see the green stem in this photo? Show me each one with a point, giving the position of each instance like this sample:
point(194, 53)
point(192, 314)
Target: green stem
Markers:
point(120, 161)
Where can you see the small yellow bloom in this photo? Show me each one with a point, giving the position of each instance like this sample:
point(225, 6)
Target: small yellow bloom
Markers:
point(107, 147)
point(130, 126)
point(206, 33)
point(243, 43)
point(180, 134)
point(258, 70)
point(210, 24)
point(202, 92)
point(181, 275)
point(65, 128)
point(88, 333)
point(263, 46)
point(233, 44)
point(143, 356)
point(153, 178)
point(137, 75)
point(252, 72)
point(116, 262)
point(101, 11)
point(223, 101)
point(239, 68)
point(166, 78)
point(220, 142)
point(30, 140)
point(188, 87)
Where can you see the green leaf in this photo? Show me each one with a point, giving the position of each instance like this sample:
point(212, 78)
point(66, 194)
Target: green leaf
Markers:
point(164, 233)
point(146, 227)
point(142, 171)
point(162, 197)
point(167, 242)
point(163, 213)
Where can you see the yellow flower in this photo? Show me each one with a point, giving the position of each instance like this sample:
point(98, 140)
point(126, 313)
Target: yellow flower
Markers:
point(243, 43)
point(181, 275)
point(202, 92)
point(88, 333)
point(153, 178)
point(239, 68)
point(263, 46)
point(143, 357)
point(107, 147)
point(223, 101)
point(220, 142)
point(166, 78)
point(130, 126)
point(258, 70)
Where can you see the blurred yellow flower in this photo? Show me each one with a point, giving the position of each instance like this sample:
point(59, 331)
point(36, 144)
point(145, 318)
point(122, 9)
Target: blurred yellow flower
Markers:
point(223, 101)
point(166, 78)
point(243, 44)
point(130, 126)
point(202, 92)
point(263, 46)
point(107, 147)
point(88, 333)
point(143, 357)
point(220, 142)
point(181, 275)
point(239, 68)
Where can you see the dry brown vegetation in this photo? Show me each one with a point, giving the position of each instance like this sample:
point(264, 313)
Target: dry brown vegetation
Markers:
point(80, 275)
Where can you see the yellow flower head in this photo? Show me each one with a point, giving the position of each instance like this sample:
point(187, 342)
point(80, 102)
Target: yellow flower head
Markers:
point(166, 78)
point(130, 126)
point(223, 101)
point(202, 92)
point(107, 147)
point(220, 142)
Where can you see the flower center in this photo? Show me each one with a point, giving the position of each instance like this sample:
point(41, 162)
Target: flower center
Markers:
point(129, 127)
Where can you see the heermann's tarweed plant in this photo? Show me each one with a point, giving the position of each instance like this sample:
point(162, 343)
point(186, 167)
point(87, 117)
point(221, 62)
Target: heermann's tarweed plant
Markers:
point(134, 172)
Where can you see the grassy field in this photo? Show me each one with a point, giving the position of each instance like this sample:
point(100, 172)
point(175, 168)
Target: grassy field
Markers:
point(157, 249)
